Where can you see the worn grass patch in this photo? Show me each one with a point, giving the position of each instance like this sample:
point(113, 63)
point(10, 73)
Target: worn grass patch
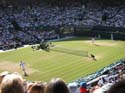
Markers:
point(15, 67)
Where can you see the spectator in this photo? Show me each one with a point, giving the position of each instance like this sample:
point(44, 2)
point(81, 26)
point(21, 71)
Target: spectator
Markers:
point(118, 87)
point(73, 87)
point(2, 75)
point(83, 87)
point(12, 83)
point(36, 88)
point(56, 85)
point(101, 82)
point(120, 75)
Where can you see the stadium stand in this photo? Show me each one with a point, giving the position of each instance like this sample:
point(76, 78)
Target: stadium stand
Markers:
point(17, 23)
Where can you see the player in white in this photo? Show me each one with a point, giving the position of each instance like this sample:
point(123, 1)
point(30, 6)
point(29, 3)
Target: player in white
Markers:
point(93, 40)
point(22, 66)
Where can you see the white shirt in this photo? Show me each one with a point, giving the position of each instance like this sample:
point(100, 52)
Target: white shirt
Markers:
point(22, 65)
point(73, 88)
point(100, 82)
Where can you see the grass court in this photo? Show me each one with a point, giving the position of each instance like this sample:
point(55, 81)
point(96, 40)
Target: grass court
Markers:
point(43, 66)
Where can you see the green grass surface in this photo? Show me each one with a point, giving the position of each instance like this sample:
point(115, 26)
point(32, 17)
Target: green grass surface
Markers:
point(44, 65)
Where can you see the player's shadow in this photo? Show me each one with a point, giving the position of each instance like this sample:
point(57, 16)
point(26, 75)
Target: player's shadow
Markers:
point(47, 50)
point(26, 74)
point(96, 45)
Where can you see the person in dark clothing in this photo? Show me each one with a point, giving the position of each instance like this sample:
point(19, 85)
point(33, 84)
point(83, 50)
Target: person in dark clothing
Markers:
point(93, 57)
point(118, 87)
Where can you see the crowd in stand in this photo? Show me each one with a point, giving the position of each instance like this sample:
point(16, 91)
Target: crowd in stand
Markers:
point(104, 82)
point(107, 81)
point(36, 16)
point(29, 19)
point(14, 83)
